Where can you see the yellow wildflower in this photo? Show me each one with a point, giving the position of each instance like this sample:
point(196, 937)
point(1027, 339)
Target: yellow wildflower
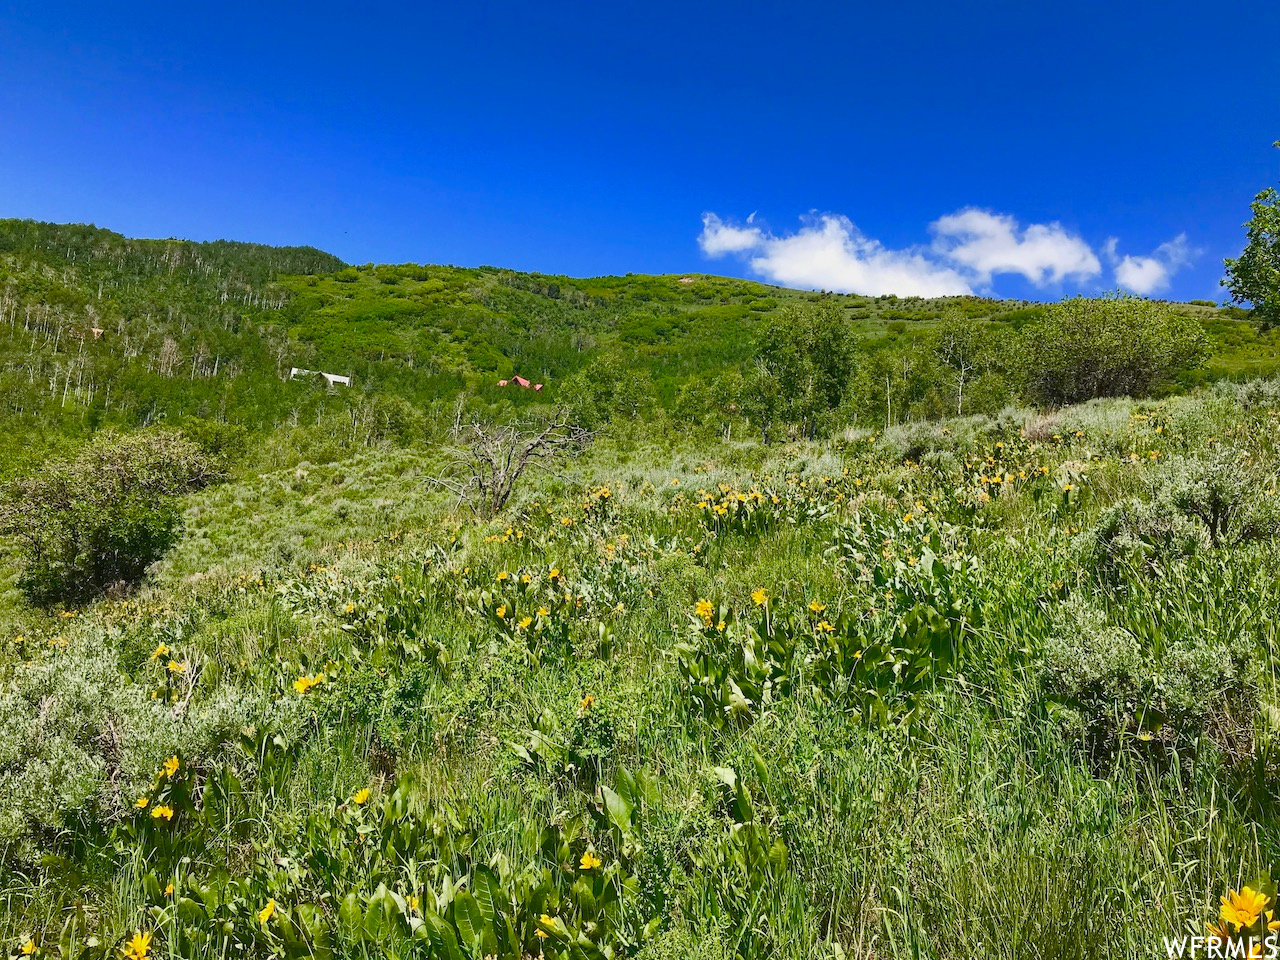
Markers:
point(825, 627)
point(171, 766)
point(502, 611)
point(1218, 932)
point(28, 948)
point(361, 797)
point(413, 902)
point(162, 812)
point(141, 802)
point(816, 607)
point(589, 861)
point(168, 891)
point(266, 912)
point(524, 624)
point(159, 652)
point(544, 612)
point(588, 702)
point(704, 610)
point(759, 597)
point(1243, 908)
point(139, 947)
point(176, 667)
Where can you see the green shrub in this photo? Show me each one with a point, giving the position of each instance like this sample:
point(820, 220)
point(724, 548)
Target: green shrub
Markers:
point(1138, 534)
point(1109, 347)
point(221, 442)
point(609, 388)
point(1110, 693)
point(1226, 492)
point(84, 739)
point(1261, 395)
point(98, 521)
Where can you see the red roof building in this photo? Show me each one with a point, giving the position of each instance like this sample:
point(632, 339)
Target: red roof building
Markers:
point(519, 382)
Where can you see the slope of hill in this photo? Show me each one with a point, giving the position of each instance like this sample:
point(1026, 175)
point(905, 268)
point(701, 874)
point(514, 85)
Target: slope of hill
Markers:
point(1000, 685)
point(99, 330)
point(688, 699)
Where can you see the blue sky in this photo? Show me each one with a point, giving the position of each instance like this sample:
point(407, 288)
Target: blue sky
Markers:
point(1015, 148)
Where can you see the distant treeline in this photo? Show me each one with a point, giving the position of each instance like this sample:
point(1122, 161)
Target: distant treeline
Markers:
point(100, 330)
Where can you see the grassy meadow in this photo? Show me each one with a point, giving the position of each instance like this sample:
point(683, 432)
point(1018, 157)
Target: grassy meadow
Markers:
point(978, 687)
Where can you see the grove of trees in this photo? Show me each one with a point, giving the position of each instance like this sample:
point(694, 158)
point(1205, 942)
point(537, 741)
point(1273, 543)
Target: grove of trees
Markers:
point(810, 369)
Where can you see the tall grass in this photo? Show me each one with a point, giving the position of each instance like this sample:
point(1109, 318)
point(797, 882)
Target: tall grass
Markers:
point(976, 826)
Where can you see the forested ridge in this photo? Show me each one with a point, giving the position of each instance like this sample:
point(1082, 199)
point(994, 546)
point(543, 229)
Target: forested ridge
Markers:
point(100, 330)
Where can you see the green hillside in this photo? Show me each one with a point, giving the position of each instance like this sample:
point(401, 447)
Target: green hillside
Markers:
point(211, 330)
point(823, 634)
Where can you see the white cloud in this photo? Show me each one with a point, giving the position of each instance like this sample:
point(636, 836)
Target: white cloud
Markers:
point(828, 252)
point(991, 243)
point(1147, 275)
point(718, 238)
point(969, 248)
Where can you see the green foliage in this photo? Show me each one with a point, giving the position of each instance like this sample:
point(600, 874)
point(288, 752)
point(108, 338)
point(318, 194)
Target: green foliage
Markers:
point(88, 740)
point(1137, 534)
point(1232, 498)
point(1254, 276)
point(923, 618)
point(222, 443)
point(878, 665)
point(404, 876)
point(921, 695)
point(607, 389)
point(98, 521)
point(100, 331)
point(804, 359)
point(1111, 347)
point(1111, 693)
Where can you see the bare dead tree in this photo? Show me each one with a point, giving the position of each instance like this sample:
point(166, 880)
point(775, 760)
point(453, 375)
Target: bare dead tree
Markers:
point(489, 459)
point(959, 346)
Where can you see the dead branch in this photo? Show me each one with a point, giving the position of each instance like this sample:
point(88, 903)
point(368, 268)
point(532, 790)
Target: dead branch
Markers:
point(492, 457)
